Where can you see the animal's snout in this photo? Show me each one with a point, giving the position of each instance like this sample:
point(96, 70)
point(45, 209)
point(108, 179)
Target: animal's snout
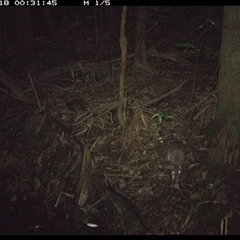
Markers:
point(176, 172)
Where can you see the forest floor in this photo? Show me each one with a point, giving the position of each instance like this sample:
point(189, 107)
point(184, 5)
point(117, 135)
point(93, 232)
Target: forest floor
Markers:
point(68, 167)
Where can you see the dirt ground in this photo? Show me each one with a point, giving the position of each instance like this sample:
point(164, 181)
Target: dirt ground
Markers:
point(68, 167)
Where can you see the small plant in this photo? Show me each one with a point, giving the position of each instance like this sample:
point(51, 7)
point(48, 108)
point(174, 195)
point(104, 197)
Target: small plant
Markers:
point(209, 53)
point(160, 117)
point(187, 46)
point(208, 25)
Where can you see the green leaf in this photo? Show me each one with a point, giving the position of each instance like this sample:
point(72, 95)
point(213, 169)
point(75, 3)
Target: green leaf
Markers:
point(160, 117)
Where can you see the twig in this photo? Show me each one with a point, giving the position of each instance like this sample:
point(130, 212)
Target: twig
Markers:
point(35, 92)
point(164, 95)
point(16, 91)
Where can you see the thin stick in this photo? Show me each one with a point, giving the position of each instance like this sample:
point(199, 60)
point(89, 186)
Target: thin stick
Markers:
point(35, 92)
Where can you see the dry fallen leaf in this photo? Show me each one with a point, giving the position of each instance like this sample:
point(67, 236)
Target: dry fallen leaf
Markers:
point(37, 183)
point(204, 175)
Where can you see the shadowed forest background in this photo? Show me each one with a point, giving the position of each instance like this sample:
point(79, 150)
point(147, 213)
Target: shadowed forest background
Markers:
point(67, 166)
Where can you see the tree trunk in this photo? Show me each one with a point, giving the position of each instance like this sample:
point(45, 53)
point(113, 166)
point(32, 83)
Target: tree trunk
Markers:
point(140, 61)
point(226, 126)
point(123, 46)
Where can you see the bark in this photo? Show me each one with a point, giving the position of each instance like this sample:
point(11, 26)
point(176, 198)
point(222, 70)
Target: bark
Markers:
point(226, 126)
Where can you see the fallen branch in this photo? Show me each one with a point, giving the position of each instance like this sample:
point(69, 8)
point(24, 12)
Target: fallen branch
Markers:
point(164, 95)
